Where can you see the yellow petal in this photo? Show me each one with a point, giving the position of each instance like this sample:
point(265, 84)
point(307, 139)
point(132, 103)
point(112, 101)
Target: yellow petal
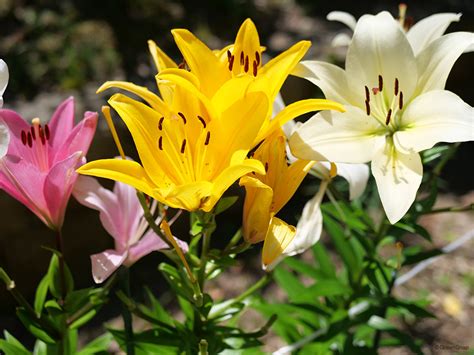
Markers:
point(126, 171)
point(202, 61)
point(257, 209)
point(228, 177)
point(190, 196)
point(162, 62)
point(279, 236)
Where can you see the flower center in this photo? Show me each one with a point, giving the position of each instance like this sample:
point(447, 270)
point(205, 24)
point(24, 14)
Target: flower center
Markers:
point(243, 65)
point(379, 105)
point(36, 139)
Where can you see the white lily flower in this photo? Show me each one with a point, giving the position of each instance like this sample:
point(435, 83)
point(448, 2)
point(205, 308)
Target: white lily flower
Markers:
point(4, 135)
point(420, 35)
point(395, 107)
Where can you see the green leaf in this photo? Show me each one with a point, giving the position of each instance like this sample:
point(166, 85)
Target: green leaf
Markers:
point(154, 342)
point(380, 323)
point(327, 288)
point(157, 310)
point(12, 343)
point(40, 348)
point(179, 284)
point(411, 307)
point(304, 268)
point(413, 255)
point(33, 327)
point(79, 322)
point(289, 282)
point(41, 293)
point(98, 345)
point(322, 258)
point(225, 203)
point(54, 277)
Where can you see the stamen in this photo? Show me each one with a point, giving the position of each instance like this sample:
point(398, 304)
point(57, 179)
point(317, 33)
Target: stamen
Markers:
point(30, 141)
point(255, 67)
point(266, 167)
point(32, 129)
point(231, 63)
point(389, 114)
point(208, 137)
point(380, 83)
point(182, 116)
point(23, 137)
point(110, 123)
point(242, 58)
point(400, 100)
point(160, 123)
point(375, 91)
point(396, 86)
point(246, 66)
point(41, 135)
point(202, 121)
point(367, 107)
point(160, 143)
point(46, 131)
point(257, 57)
point(367, 94)
point(229, 55)
point(183, 146)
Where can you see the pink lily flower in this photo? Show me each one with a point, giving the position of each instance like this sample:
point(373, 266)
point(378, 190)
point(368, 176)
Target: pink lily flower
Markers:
point(39, 169)
point(121, 215)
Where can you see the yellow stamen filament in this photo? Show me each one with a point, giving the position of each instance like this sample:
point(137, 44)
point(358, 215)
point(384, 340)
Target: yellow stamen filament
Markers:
point(110, 123)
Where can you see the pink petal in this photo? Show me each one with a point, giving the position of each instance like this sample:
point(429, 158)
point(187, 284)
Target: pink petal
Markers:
point(58, 187)
point(105, 263)
point(79, 139)
point(16, 124)
point(61, 122)
point(90, 193)
point(24, 182)
point(130, 208)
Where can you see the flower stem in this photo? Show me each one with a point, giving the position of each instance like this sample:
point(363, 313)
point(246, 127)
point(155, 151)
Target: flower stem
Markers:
point(451, 209)
point(126, 314)
point(62, 275)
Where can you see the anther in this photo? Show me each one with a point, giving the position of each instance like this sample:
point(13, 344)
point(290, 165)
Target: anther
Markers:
point(255, 67)
point(208, 137)
point(396, 86)
point(231, 63)
point(266, 167)
point(367, 107)
point(229, 55)
point(400, 100)
point(32, 129)
point(246, 66)
point(242, 58)
point(30, 141)
point(41, 135)
point(160, 123)
point(389, 114)
point(183, 146)
point(380, 83)
point(160, 143)
point(375, 91)
point(257, 57)
point(367, 94)
point(23, 137)
point(46, 132)
point(182, 116)
point(202, 121)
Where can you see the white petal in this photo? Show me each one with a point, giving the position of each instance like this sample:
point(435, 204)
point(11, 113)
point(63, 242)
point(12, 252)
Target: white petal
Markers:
point(380, 47)
point(278, 104)
point(350, 137)
point(428, 29)
point(356, 175)
point(343, 17)
point(436, 60)
point(328, 77)
point(341, 40)
point(105, 263)
point(4, 139)
point(436, 116)
point(3, 79)
point(398, 177)
point(321, 170)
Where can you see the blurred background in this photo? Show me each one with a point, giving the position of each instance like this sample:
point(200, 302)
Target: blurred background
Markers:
point(55, 49)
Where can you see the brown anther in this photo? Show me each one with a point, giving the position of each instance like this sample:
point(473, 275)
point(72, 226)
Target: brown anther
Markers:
point(266, 167)
point(30, 140)
point(400, 100)
point(396, 86)
point(183, 146)
point(257, 57)
point(380, 83)
point(182, 116)
point(255, 68)
point(367, 107)
point(231, 63)
point(389, 115)
point(408, 23)
point(208, 137)
point(229, 55)
point(246, 65)
point(202, 121)
point(367, 93)
point(41, 135)
point(46, 132)
point(160, 123)
point(23, 137)
point(160, 143)
point(33, 134)
point(375, 91)
point(242, 58)
point(182, 65)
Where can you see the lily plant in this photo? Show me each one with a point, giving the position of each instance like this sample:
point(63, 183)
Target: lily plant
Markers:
point(4, 135)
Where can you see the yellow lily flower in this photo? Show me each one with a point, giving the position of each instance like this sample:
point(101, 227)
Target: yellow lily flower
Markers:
point(191, 150)
point(267, 193)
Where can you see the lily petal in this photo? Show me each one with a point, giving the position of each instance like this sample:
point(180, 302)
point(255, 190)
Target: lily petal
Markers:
point(343, 17)
point(331, 135)
point(279, 236)
point(190, 196)
point(380, 47)
point(435, 61)
point(149, 243)
point(61, 122)
point(341, 40)
point(398, 177)
point(104, 264)
point(436, 116)
point(4, 76)
point(428, 29)
point(357, 175)
point(4, 139)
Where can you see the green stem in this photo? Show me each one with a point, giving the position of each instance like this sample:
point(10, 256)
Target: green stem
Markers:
point(383, 314)
point(206, 242)
point(203, 347)
point(150, 219)
point(444, 160)
point(62, 275)
point(451, 209)
point(126, 315)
